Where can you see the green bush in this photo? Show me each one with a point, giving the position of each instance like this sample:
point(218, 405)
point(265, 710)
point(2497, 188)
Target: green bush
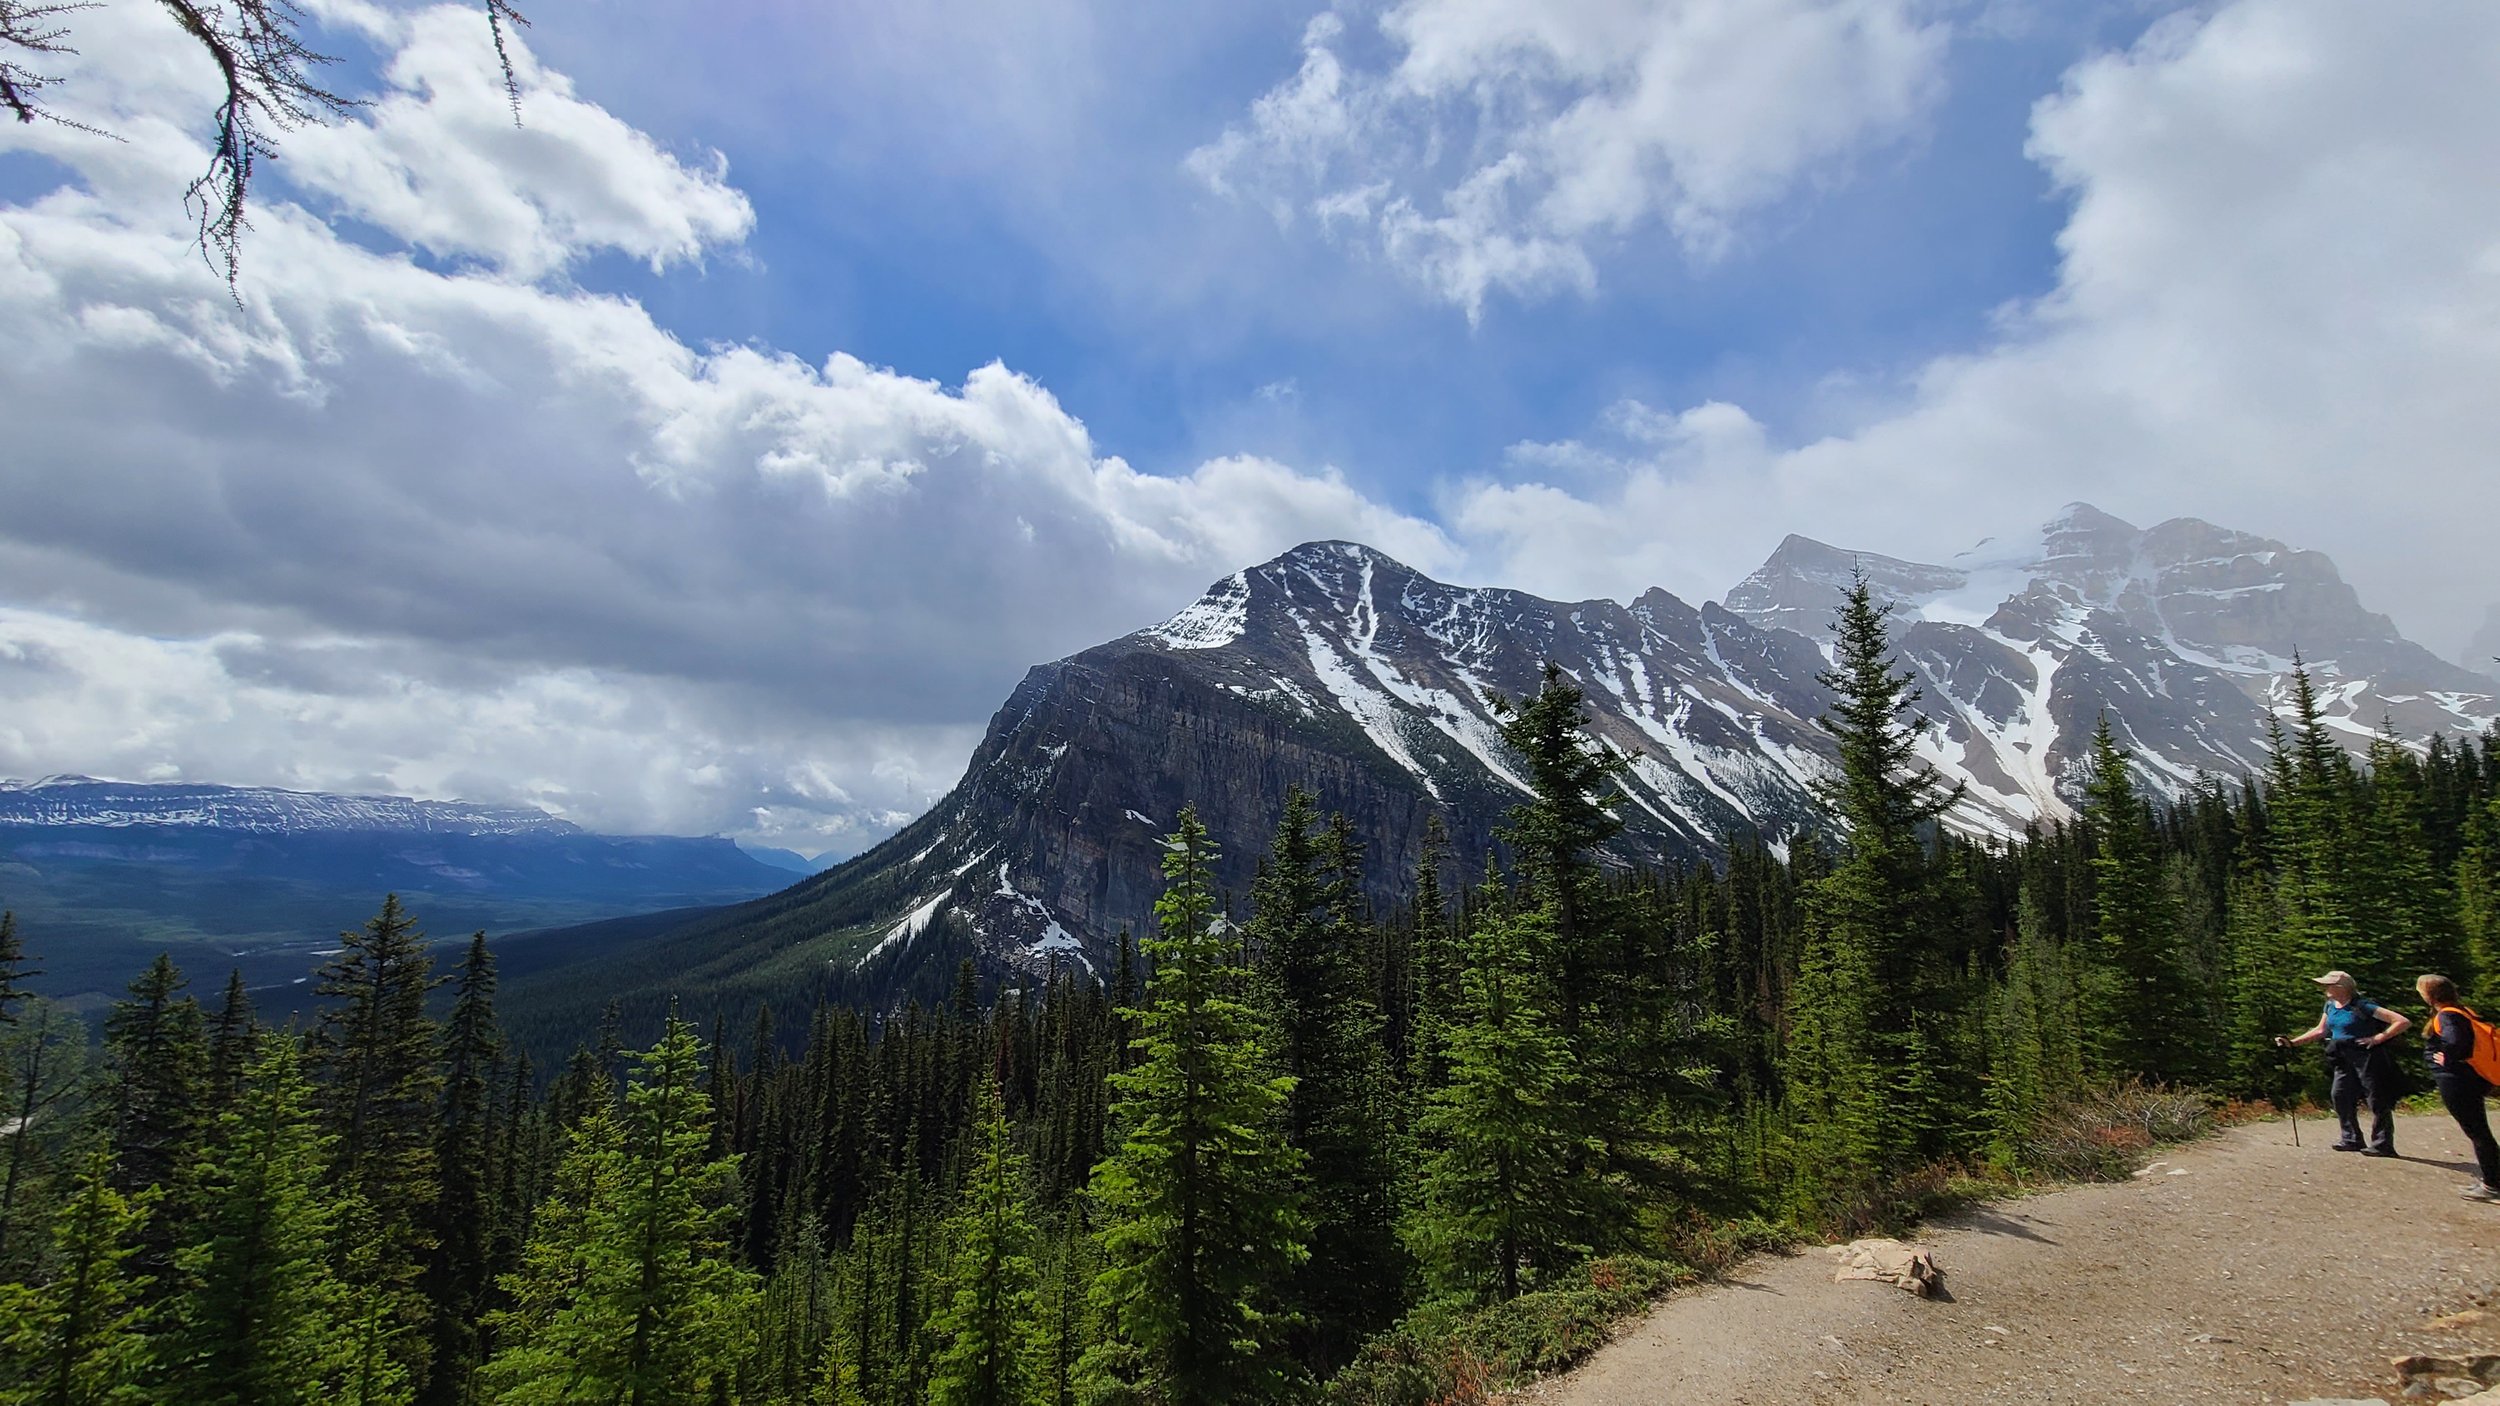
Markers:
point(1459, 1354)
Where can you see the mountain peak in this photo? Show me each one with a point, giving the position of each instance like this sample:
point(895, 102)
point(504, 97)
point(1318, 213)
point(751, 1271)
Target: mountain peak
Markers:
point(2082, 517)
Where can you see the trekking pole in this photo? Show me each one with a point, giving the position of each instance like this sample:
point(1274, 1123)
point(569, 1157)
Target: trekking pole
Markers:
point(2291, 1104)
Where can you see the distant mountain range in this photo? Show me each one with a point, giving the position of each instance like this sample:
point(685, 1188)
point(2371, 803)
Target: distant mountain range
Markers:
point(1332, 667)
point(1338, 669)
point(103, 873)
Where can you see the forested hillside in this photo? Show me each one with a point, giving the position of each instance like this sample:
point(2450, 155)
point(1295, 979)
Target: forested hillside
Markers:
point(1270, 1156)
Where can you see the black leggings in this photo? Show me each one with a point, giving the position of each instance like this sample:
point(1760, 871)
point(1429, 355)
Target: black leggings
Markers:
point(2463, 1096)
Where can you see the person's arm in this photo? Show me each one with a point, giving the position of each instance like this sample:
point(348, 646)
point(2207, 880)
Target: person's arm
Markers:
point(2439, 1038)
point(2309, 1036)
point(2397, 1023)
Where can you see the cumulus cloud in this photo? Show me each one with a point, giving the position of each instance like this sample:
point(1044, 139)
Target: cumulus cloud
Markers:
point(438, 161)
point(2277, 306)
point(452, 525)
point(1511, 138)
point(383, 502)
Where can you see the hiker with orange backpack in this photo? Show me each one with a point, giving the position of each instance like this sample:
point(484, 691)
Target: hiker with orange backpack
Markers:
point(2465, 1062)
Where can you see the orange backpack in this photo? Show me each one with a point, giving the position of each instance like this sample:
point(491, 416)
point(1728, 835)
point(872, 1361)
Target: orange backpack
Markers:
point(2485, 1060)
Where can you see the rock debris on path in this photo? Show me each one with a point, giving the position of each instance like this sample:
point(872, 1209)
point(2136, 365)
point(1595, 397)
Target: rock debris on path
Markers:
point(2239, 1269)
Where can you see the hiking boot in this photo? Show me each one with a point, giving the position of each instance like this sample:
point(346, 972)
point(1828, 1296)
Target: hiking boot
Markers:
point(2480, 1192)
point(2343, 1147)
point(2378, 1152)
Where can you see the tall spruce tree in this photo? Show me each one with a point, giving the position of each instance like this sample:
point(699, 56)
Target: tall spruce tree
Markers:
point(232, 1036)
point(2138, 981)
point(378, 1090)
point(1872, 980)
point(1324, 1026)
point(1201, 1227)
point(156, 1065)
point(13, 969)
point(1503, 1193)
point(43, 1060)
point(76, 1340)
point(459, 1266)
point(986, 1330)
point(2311, 794)
point(2034, 1057)
point(155, 1055)
point(628, 1294)
point(2478, 898)
point(1573, 781)
point(257, 1316)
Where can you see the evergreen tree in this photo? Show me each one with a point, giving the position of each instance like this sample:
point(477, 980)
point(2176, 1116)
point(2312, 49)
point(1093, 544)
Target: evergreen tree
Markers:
point(1435, 986)
point(378, 1090)
point(155, 1058)
point(627, 1294)
point(1325, 1030)
point(13, 970)
point(1872, 975)
point(2478, 898)
point(1201, 1227)
point(2138, 982)
point(43, 1060)
point(2401, 901)
point(156, 1065)
point(1501, 1193)
point(1065, 1325)
point(232, 1034)
point(2035, 1057)
point(76, 1341)
point(2311, 796)
point(459, 1268)
point(256, 1316)
point(985, 1330)
point(1573, 781)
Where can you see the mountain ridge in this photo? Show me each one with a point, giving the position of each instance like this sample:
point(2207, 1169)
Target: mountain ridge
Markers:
point(1337, 668)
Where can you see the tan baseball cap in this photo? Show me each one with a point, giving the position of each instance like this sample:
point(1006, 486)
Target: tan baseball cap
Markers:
point(2334, 979)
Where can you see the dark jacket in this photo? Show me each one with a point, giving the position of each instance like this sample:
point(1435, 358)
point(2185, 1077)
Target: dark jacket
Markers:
point(2449, 1034)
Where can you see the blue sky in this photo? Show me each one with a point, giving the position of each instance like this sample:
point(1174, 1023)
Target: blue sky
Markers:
point(912, 245)
point(712, 452)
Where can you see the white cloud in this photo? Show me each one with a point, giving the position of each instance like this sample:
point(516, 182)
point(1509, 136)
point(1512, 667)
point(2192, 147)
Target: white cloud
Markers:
point(438, 162)
point(2278, 307)
point(1512, 138)
point(461, 531)
point(474, 532)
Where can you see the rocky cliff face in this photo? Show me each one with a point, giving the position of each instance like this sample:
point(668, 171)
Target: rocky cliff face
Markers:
point(1339, 670)
point(1342, 671)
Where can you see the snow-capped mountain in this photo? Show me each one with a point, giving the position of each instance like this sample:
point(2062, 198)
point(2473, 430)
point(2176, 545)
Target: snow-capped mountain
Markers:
point(84, 800)
point(1342, 671)
point(2186, 633)
point(1337, 668)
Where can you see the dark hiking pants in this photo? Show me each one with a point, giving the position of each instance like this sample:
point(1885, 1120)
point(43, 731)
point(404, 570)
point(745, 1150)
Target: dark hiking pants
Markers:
point(2364, 1073)
point(2462, 1095)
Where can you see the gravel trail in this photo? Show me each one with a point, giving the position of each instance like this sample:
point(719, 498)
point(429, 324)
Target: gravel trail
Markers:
point(2237, 1269)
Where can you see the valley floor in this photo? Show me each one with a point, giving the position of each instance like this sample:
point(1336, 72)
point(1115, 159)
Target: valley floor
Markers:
point(2239, 1269)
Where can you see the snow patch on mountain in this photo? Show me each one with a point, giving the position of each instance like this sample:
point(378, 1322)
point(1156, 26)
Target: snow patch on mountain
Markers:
point(1213, 620)
point(87, 801)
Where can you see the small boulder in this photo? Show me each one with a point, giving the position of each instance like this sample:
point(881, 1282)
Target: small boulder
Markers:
point(1910, 1268)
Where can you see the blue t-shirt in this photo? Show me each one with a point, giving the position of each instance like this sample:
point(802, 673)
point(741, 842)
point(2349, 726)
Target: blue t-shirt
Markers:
point(2358, 1021)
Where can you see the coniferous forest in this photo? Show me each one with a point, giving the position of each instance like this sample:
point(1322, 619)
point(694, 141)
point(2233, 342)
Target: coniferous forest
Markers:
point(1284, 1152)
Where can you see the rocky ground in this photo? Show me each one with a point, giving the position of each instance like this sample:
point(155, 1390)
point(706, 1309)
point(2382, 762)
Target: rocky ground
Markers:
point(2239, 1269)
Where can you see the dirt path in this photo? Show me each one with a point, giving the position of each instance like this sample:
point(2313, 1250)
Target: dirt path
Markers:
point(2240, 1269)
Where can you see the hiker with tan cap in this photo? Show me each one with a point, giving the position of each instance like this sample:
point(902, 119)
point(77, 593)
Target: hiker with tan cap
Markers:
point(2464, 1052)
point(2356, 1033)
